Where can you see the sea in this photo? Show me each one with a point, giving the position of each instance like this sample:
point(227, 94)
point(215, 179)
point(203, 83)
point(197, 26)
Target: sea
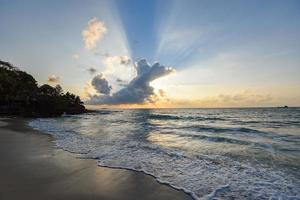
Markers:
point(232, 153)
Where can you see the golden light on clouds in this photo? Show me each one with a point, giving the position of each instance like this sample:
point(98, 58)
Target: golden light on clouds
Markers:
point(93, 33)
point(244, 98)
point(88, 91)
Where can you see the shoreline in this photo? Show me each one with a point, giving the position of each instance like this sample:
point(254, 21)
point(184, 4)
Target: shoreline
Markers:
point(31, 167)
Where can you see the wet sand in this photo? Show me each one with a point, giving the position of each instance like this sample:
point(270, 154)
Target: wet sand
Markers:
point(31, 168)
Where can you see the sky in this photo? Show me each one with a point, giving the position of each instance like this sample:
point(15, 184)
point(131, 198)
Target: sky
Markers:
point(159, 53)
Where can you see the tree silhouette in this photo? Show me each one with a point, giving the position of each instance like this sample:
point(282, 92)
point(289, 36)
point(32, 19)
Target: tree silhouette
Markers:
point(21, 95)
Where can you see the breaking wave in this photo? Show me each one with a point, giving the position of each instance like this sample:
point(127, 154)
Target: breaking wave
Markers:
point(207, 158)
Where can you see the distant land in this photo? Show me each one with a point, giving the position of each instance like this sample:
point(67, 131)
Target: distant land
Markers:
point(22, 96)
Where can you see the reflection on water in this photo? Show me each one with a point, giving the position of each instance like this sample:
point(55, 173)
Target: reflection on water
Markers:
point(227, 153)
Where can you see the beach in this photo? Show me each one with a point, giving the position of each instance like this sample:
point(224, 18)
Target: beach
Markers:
point(32, 168)
point(248, 153)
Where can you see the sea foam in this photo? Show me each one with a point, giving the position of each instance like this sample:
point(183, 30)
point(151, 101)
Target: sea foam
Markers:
point(225, 168)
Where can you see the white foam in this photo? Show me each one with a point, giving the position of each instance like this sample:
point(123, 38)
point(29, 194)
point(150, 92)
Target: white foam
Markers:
point(204, 177)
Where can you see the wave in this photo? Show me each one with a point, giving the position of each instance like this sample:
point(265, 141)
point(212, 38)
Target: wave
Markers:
point(209, 176)
point(271, 124)
point(165, 117)
point(174, 117)
point(222, 139)
point(205, 128)
point(106, 112)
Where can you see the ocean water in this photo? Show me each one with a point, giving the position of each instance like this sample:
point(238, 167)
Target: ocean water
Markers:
point(209, 153)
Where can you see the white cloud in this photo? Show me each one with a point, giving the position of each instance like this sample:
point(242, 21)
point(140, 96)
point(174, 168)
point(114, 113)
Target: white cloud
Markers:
point(112, 63)
point(53, 79)
point(93, 33)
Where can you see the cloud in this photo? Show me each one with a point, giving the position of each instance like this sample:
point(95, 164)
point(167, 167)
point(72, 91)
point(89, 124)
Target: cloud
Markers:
point(138, 90)
point(92, 70)
point(124, 60)
point(53, 79)
point(112, 63)
point(244, 98)
point(162, 93)
point(101, 84)
point(121, 82)
point(93, 33)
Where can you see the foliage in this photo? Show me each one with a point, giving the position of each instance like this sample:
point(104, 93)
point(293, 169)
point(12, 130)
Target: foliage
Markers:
point(21, 95)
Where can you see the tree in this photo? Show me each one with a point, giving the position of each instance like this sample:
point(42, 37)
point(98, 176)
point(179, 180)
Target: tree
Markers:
point(20, 95)
point(47, 90)
point(59, 89)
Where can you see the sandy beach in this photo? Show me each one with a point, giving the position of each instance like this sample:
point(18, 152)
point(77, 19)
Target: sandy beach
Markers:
point(32, 168)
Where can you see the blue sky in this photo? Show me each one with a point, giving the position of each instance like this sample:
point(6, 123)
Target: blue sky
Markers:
point(225, 53)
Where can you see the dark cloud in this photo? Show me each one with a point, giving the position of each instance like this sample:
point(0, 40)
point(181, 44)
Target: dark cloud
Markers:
point(124, 60)
point(162, 93)
point(101, 84)
point(92, 70)
point(119, 80)
point(138, 90)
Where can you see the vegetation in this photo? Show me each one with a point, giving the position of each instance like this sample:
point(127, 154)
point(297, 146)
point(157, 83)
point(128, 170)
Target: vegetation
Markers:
point(21, 95)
